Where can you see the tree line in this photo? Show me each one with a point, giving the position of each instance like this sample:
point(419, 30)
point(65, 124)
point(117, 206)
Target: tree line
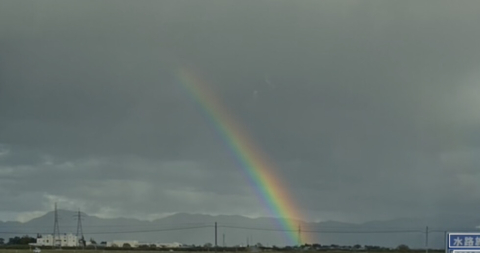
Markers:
point(25, 240)
point(17, 240)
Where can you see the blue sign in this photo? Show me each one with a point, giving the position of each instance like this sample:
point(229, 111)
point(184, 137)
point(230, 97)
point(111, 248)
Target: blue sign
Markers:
point(463, 241)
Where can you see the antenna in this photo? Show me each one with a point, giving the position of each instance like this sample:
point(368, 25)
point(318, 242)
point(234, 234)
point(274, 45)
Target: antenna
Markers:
point(80, 238)
point(57, 241)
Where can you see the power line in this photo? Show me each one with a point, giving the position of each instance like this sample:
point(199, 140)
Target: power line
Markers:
point(117, 232)
point(326, 231)
point(18, 233)
point(122, 232)
point(149, 231)
point(114, 226)
point(305, 226)
point(260, 229)
point(365, 232)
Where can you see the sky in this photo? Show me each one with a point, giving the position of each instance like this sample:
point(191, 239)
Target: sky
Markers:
point(368, 109)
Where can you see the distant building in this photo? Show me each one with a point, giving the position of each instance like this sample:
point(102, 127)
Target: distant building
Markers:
point(169, 245)
point(136, 244)
point(121, 243)
point(66, 240)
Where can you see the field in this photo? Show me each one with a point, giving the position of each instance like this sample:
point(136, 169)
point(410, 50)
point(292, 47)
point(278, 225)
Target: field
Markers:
point(180, 251)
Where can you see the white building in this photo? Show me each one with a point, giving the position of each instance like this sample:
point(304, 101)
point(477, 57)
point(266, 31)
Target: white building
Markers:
point(66, 240)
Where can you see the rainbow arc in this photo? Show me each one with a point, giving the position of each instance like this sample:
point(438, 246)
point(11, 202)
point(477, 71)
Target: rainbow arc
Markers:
point(252, 160)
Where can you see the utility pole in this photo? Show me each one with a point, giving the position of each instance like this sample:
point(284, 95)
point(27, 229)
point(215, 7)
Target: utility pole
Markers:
point(56, 231)
point(224, 240)
point(426, 239)
point(299, 235)
point(215, 236)
point(80, 238)
point(445, 240)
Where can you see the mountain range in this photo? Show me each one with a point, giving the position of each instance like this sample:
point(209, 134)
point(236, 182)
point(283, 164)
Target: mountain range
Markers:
point(233, 230)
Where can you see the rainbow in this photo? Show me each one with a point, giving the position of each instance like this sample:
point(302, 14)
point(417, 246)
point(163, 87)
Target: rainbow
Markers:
point(254, 163)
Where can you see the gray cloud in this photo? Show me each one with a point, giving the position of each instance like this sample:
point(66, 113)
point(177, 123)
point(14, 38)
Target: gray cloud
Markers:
point(368, 109)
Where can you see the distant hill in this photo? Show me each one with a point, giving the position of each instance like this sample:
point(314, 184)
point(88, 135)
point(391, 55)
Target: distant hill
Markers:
point(198, 229)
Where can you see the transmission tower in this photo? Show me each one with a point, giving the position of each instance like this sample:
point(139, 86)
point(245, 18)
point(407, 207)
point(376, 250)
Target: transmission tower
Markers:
point(80, 238)
point(57, 241)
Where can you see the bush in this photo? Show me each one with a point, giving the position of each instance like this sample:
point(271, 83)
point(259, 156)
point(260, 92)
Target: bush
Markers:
point(403, 247)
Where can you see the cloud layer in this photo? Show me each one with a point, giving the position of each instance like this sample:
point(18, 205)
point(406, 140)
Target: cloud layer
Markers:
point(367, 108)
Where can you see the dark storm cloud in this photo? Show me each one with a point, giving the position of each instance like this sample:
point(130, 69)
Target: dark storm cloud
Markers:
point(361, 105)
